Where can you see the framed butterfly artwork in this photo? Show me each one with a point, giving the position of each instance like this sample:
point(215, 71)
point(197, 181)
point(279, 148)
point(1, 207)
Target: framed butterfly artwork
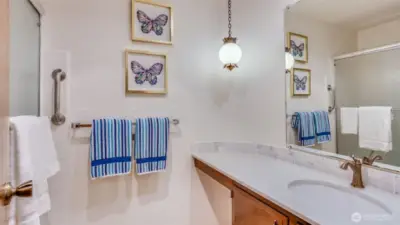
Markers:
point(298, 45)
point(301, 82)
point(145, 72)
point(151, 22)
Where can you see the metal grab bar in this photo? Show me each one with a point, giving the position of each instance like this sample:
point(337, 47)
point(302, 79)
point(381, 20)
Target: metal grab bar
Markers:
point(333, 107)
point(58, 76)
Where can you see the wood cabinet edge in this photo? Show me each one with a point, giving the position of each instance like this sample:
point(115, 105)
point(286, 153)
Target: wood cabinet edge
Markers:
point(231, 185)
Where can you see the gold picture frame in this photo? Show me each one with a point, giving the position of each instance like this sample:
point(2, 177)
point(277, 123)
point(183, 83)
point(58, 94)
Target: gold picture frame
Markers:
point(128, 72)
point(294, 52)
point(147, 40)
point(297, 87)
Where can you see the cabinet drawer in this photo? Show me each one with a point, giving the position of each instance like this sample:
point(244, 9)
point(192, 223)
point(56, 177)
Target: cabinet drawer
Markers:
point(247, 210)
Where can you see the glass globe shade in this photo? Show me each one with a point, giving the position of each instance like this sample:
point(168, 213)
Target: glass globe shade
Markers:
point(289, 61)
point(230, 53)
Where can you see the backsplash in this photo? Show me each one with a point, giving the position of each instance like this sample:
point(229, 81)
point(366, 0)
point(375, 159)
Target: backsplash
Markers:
point(389, 182)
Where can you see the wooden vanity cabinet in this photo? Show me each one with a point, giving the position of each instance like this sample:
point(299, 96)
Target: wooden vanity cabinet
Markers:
point(248, 207)
point(249, 211)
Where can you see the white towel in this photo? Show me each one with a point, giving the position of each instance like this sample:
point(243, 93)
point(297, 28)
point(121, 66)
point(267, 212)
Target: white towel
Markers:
point(35, 159)
point(375, 129)
point(349, 120)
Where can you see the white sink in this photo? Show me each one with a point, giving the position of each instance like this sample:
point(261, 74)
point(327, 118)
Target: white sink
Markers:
point(342, 204)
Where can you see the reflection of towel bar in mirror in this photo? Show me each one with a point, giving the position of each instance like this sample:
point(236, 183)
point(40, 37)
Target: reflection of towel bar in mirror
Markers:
point(88, 125)
point(290, 115)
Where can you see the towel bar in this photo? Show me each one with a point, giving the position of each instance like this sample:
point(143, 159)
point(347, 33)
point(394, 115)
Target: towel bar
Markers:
point(88, 125)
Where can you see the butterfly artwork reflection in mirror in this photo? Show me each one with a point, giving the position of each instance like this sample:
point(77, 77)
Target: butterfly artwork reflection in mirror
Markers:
point(301, 82)
point(297, 50)
point(298, 45)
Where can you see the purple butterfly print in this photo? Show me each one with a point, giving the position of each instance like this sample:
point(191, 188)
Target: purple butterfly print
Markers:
point(297, 50)
point(150, 75)
point(149, 25)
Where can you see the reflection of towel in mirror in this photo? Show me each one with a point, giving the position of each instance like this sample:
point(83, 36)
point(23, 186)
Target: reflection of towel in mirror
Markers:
point(304, 123)
point(375, 128)
point(349, 120)
point(322, 126)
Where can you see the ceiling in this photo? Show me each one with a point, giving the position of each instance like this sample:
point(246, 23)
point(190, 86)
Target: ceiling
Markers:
point(355, 14)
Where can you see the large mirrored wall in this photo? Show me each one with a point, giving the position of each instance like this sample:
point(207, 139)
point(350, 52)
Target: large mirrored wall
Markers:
point(343, 58)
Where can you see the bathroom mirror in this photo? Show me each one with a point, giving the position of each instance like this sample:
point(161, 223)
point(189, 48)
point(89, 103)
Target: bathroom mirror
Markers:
point(346, 57)
point(24, 58)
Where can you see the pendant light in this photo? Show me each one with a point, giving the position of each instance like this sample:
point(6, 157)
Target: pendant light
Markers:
point(230, 53)
point(289, 60)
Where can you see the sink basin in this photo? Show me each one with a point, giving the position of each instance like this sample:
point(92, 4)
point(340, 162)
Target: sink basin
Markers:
point(343, 204)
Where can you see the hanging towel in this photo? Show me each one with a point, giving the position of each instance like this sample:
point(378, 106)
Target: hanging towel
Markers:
point(110, 148)
point(375, 131)
point(349, 120)
point(151, 145)
point(322, 126)
point(33, 157)
point(304, 123)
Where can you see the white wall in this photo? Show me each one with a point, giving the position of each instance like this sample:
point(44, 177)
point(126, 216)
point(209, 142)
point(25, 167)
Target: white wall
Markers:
point(325, 42)
point(87, 39)
point(380, 35)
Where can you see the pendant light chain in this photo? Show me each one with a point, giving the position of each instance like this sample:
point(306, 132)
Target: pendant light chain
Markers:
point(230, 18)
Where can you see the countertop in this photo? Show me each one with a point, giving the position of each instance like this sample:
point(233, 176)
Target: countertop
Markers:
point(269, 177)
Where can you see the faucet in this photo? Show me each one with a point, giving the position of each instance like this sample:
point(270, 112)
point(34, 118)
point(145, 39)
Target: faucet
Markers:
point(369, 160)
point(355, 165)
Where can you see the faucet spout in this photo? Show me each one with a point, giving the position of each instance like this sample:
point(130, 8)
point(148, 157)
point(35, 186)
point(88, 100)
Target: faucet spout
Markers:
point(355, 166)
point(346, 165)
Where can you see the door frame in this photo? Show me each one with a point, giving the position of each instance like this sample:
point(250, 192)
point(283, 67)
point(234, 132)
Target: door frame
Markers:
point(37, 4)
point(4, 98)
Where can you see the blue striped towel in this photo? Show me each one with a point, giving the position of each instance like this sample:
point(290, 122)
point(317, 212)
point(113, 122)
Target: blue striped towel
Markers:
point(110, 147)
point(304, 123)
point(151, 145)
point(322, 126)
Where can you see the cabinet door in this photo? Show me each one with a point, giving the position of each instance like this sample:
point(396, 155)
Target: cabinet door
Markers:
point(247, 210)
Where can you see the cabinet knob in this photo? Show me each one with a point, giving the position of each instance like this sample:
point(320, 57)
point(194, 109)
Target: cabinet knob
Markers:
point(275, 222)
